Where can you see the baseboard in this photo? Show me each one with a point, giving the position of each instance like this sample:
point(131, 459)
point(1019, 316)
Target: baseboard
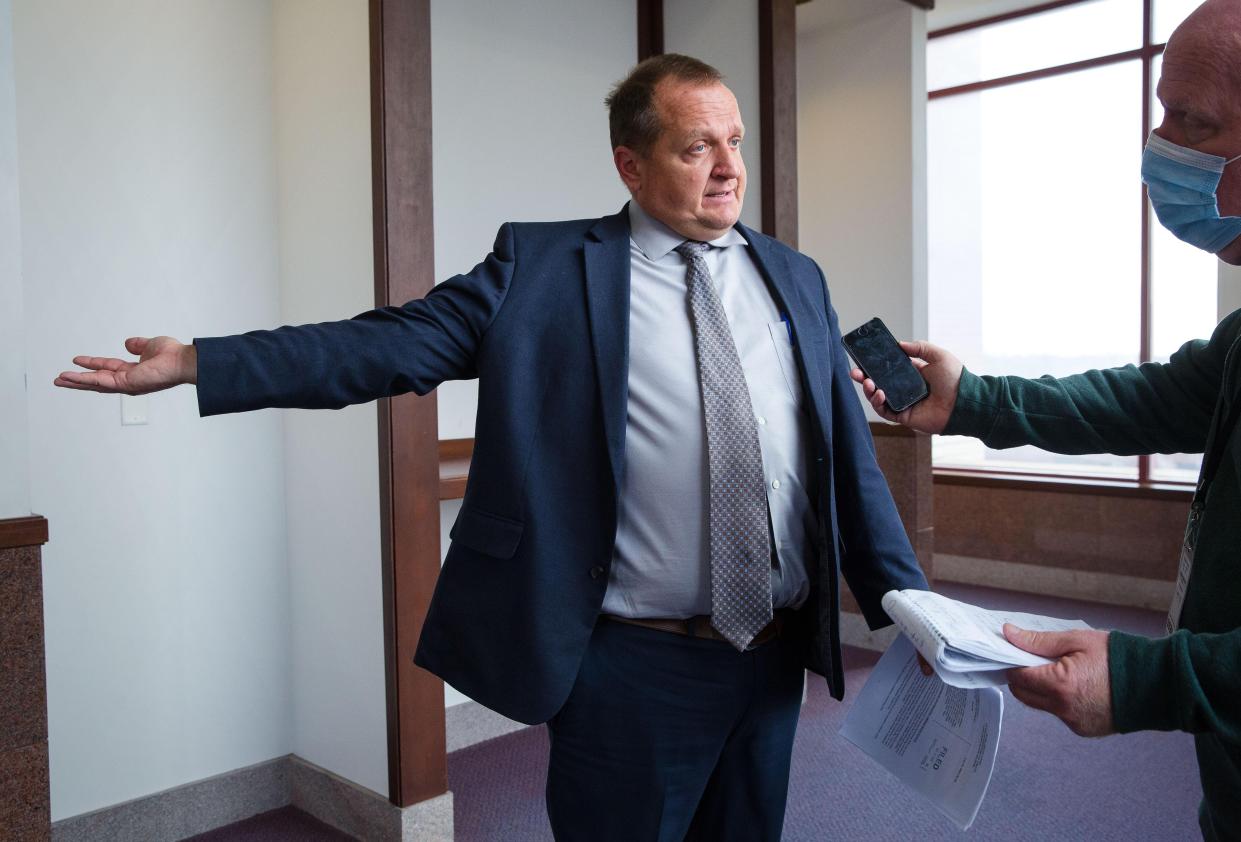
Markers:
point(363, 813)
point(185, 810)
point(221, 800)
point(1108, 588)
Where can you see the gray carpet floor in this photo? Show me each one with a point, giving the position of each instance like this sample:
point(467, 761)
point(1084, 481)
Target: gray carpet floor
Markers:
point(1048, 783)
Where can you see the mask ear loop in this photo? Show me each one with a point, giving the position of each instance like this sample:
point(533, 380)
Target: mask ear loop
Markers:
point(1230, 160)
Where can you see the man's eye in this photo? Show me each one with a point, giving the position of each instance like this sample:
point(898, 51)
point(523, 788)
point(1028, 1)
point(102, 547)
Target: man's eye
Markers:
point(699, 147)
point(735, 142)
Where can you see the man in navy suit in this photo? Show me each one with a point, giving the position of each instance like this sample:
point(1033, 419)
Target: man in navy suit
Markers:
point(671, 471)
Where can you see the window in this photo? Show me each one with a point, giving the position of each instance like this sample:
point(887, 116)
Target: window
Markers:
point(1043, 255)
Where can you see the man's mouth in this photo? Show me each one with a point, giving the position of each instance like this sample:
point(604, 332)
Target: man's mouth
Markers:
point(719, 195)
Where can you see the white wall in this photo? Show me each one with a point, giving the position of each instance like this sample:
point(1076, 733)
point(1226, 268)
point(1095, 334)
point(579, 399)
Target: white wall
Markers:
point(148, 207)
point(861, 143)
point(724, 33)
point(14, 476)
point(323, 161)
point(520, 133)
point(1229, 289)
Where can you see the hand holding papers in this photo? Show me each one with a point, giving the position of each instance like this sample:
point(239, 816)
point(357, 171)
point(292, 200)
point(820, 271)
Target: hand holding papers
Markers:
point(939, 741)
point(965, 644)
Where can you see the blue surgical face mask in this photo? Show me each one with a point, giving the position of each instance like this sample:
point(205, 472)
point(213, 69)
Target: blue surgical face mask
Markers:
point(1181, 184)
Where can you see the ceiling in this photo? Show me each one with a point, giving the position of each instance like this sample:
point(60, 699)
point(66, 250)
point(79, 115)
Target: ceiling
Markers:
point(817, 14)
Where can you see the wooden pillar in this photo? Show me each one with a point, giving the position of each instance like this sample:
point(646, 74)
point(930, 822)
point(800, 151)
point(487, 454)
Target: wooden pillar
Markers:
point(650, 28)
point(408, 429)
point(777, 81)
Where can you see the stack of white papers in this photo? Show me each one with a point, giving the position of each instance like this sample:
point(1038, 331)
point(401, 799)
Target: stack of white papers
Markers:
point(940, 741)
point(965, 644)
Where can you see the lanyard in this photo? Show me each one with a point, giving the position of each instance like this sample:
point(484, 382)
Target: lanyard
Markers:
point(1222, 423)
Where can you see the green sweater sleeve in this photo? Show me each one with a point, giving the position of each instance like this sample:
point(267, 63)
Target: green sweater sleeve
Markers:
point(1185, 682)
point(1151, 408)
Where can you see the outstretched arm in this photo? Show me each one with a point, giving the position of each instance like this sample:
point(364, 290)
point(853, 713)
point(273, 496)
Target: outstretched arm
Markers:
point(1151, 408)
point(382, 352)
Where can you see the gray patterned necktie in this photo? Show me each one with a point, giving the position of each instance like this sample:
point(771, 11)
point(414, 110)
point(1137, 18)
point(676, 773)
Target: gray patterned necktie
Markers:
point(740, 542)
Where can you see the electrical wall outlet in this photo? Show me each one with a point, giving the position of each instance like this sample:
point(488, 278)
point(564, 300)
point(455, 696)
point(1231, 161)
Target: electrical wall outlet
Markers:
point(133, 410)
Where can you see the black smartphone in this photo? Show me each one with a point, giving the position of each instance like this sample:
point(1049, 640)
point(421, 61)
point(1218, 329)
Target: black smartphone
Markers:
point(876, 352)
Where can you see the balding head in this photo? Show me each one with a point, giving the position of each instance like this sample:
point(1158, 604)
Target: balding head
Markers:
point(1200, 88)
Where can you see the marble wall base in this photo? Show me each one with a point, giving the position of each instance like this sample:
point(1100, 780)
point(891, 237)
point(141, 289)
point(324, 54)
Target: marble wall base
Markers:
point(25, 805)
point(221, 800)
point(1077, 533)
point(1108, 588)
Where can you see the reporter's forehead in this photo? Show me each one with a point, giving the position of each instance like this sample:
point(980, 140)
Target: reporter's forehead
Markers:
point(1199, 76)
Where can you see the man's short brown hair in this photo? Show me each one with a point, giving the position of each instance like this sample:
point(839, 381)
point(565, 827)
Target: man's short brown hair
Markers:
point(632, 116)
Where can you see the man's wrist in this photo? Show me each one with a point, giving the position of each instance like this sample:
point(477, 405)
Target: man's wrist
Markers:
point(189, 364)
point(972, 412)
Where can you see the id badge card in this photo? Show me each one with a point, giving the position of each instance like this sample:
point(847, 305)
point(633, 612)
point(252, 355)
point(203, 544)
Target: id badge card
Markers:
point(1186, 567)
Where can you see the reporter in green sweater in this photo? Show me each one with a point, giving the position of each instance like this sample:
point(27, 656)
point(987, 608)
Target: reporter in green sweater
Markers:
point(1190, 680)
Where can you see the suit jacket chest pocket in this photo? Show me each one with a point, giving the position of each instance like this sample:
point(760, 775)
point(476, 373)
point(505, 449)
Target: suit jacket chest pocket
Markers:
point(785, 358)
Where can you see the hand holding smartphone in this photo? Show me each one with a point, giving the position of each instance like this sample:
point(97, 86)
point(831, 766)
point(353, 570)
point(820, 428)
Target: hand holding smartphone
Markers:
point(876, 351)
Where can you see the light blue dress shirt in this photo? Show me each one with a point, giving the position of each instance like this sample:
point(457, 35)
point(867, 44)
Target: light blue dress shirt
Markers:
point(661, 564)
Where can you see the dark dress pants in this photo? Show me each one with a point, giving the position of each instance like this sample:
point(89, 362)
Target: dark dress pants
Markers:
point(668, 737)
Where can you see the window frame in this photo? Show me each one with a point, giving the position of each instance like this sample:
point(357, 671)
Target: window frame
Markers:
point(1147, 53)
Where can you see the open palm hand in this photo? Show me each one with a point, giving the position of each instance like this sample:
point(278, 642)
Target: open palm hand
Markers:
point(163, 362)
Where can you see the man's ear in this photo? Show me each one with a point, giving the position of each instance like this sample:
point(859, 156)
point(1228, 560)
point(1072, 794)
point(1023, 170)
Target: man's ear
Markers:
point(629, 167)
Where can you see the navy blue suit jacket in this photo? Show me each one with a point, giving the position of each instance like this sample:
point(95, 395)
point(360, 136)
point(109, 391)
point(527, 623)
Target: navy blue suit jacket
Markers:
point(543, 323)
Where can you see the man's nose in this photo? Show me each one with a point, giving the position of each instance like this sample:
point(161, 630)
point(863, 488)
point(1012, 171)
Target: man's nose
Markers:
point(1170, 130)
point(727, 164)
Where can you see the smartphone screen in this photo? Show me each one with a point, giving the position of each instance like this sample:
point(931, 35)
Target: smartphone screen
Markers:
point(876, 352)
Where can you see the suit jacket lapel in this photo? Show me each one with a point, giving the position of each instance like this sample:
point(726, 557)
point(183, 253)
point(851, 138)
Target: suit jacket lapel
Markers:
point(809, 324)
point(607, 299)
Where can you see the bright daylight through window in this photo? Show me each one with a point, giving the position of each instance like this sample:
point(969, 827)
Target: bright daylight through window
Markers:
point(1038, 263)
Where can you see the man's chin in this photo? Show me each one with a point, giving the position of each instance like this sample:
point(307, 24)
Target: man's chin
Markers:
point(720, 219)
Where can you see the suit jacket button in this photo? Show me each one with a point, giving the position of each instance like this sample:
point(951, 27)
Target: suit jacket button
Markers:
point(596, 572)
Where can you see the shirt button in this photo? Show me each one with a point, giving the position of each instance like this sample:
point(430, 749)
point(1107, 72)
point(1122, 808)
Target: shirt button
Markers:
point(761, 420)
point(775, 483)
point(596, 572)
